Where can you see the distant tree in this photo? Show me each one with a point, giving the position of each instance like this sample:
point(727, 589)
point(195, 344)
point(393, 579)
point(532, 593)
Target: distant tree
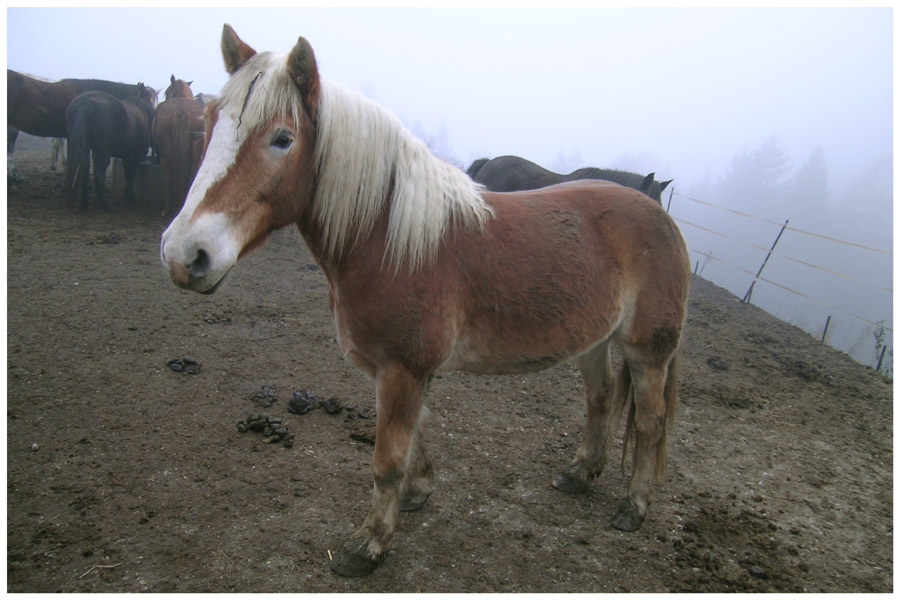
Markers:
point(756, 180)
point(865, 209)
point(642, 162)
point(704, 189)
point(438, 143)
point(811, 179)
point(566, 164)
point(808, 192)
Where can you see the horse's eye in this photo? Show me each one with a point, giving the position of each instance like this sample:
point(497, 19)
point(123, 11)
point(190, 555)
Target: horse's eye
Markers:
point(282, 139)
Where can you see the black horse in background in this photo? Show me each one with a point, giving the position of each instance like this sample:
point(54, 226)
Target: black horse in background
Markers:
point(99, 122)
point(512, 173)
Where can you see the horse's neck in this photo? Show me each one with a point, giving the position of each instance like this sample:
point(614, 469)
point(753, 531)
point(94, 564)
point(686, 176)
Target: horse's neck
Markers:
point(181, 93)
point(143, 106)
point(589, 173)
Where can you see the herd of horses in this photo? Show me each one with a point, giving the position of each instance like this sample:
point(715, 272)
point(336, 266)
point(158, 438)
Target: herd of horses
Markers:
point(102, 120)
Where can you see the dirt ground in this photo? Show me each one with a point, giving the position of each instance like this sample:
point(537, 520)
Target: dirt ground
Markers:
point(125, 475)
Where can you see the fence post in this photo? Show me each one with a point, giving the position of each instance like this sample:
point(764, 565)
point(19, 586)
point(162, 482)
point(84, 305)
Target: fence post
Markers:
point(880, 358)
point(669, 205)
point(763, 265)
point(827, 323)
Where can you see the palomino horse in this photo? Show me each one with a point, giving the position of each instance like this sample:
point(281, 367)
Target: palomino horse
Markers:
point(178, 138)
point(512, 174)
point(101, 124)
point(38, 107)
point(428, 272)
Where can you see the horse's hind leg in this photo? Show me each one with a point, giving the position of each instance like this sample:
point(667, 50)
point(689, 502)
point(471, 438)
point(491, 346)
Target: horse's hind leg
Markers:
point(101, 164)
point(399, 404)
point(654, 384)
point(604, 409)
point(130, 168)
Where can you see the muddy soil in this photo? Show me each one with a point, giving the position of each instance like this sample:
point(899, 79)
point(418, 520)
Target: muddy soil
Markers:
point(128, 472)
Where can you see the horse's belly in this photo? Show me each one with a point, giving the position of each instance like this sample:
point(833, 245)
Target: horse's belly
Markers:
point(499, 356)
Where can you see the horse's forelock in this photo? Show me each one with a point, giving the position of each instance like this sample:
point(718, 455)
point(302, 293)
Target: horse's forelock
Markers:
point(260, 91)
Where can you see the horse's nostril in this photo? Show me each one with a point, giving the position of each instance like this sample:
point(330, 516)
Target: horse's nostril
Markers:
point(200, 265)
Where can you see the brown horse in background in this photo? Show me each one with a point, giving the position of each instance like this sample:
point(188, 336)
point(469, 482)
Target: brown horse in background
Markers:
point(104, 126)
point(428, 272)
point(38, 107)
point(178, 138)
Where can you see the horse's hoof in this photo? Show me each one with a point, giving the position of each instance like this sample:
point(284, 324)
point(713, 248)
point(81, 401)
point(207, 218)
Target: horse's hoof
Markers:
point(567, 482)
point(413, 503)
point(354, 560)
point(629, 517)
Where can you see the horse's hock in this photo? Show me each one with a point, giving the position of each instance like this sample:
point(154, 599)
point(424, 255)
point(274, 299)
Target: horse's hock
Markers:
point(148, 183)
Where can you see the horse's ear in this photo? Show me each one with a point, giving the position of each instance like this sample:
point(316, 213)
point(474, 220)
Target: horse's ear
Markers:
point(303, 70)
point(234, 51)
point(172, 81)
point(647, 182)
point(663, 184)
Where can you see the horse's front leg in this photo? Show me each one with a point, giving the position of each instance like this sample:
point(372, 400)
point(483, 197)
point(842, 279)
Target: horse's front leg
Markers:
point(59, 153)
point(399, 396)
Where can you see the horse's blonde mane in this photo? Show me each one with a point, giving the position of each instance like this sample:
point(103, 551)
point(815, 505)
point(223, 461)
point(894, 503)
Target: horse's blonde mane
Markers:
point(364, 157)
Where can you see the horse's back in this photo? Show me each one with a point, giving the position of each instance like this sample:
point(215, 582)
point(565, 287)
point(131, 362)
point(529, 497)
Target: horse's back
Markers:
point(511, 173)
point(176, 117)
point(35, 106)
point(117, 127)
point(594, 211)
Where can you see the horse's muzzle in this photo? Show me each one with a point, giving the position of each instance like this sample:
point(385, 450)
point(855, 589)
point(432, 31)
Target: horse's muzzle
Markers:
point(194, 277)
point(180, 274)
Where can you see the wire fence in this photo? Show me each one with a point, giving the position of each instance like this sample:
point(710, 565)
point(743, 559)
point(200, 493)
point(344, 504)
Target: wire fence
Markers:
point(820, 295)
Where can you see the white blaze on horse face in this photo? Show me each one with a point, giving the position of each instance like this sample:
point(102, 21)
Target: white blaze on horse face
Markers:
point(205, 244)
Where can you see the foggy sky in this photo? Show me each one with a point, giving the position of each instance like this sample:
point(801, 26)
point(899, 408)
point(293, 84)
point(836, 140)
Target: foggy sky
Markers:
point(680, 91)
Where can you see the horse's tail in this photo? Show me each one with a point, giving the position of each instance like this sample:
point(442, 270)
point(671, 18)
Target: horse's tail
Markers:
point(182, 158)
point(78, 155)
point(625, 393)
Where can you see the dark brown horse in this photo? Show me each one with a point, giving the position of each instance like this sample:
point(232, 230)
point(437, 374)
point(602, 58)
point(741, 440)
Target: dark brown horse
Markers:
point(38, 107)
point(513, 174)
point(428, 272)
point(178, 138)
point(100, 124)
